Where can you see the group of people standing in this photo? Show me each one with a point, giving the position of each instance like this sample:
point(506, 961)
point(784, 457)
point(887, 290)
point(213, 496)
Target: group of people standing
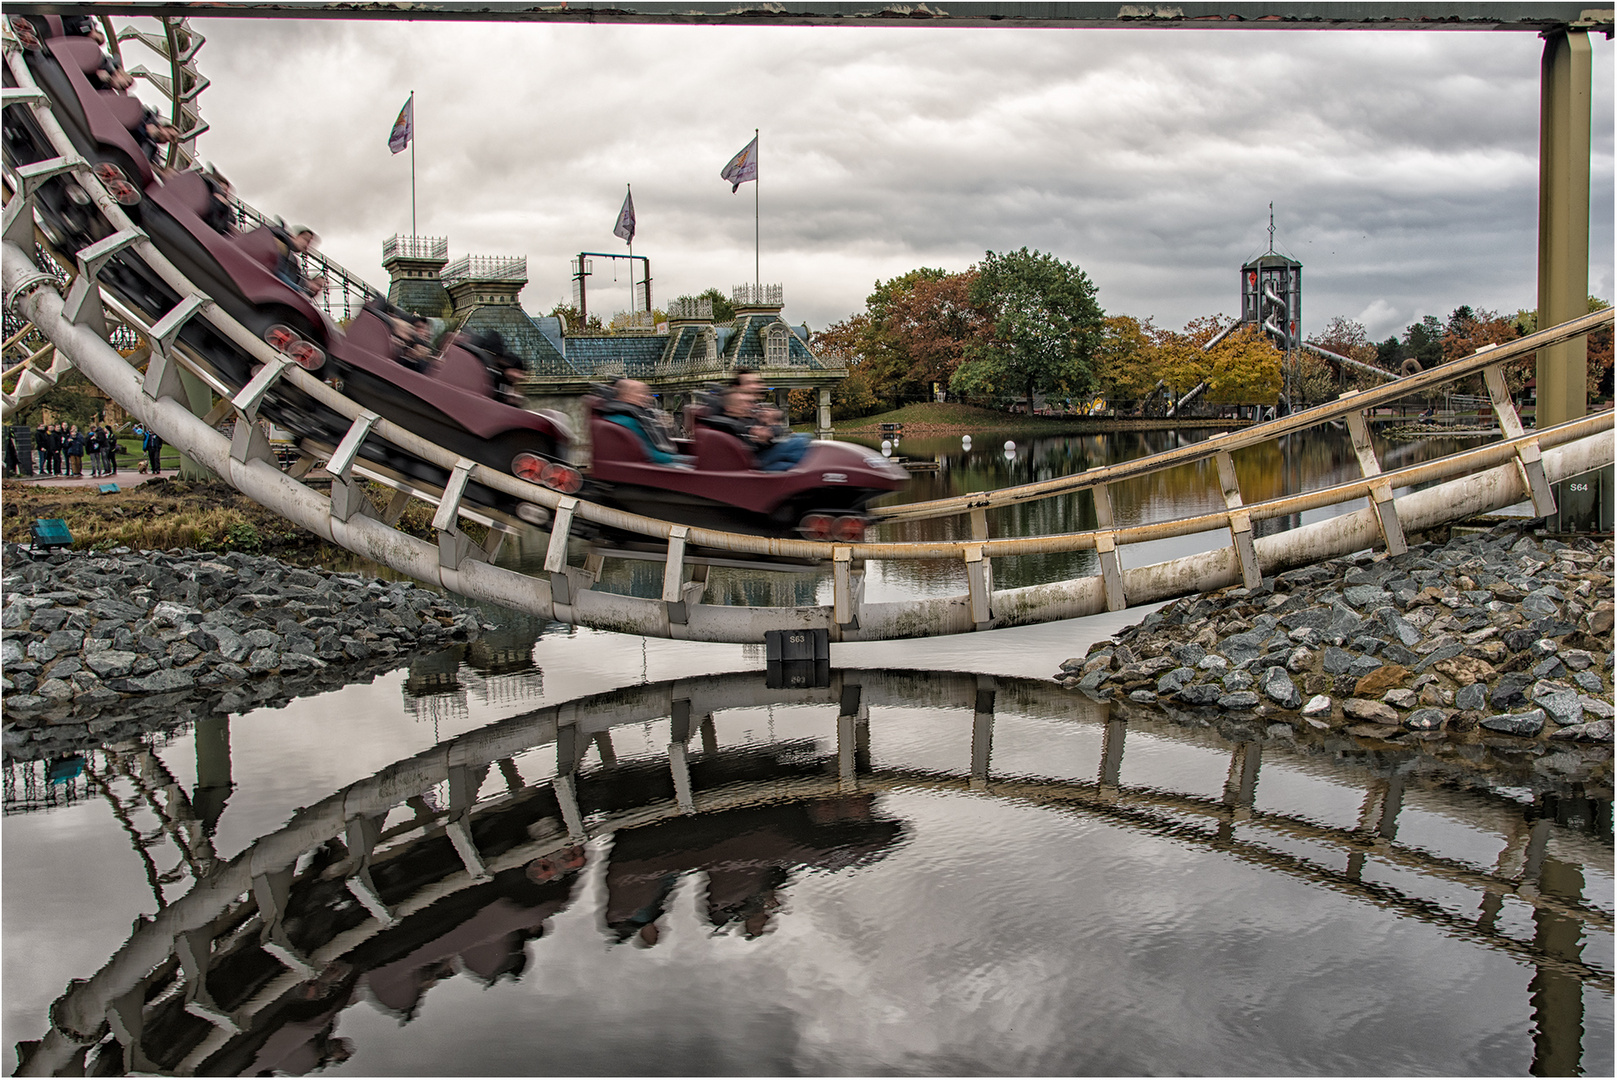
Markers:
point(62, 448)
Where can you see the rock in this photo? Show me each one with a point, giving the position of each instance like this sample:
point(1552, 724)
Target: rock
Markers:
point(1144, 697)
point(1240, 699)
point(1597, 707)
point(1425, 720)
point(1437, 656)
point(1278, 688)
point(1381, 680)
point(1594, 731)
point(1465, 670)
point(1577, 659)
point(1336, 661)
point(1375, 731)
point(1173, 680)
point(1237, 681)
point(1375, 711)
point(1561, 703)
point(1525, 724)
point(1589, 682)
point(1318, 705)
point(1200, 694)
point(1361, 595)
point(1300, 660)
point(1399, 698)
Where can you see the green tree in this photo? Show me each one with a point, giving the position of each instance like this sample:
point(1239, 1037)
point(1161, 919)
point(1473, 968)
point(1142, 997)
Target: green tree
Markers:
point(1047, 326)
point(1423, 341)
point(574, 322)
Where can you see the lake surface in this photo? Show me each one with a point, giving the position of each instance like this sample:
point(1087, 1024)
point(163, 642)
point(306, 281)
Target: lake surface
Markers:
point(566, 852)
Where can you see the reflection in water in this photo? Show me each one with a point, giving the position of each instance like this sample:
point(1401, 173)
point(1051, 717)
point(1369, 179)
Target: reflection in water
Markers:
point(452, 865)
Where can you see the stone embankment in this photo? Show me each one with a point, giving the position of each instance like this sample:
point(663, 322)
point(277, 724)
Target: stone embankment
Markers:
point(136, 634)
point(1497, 639)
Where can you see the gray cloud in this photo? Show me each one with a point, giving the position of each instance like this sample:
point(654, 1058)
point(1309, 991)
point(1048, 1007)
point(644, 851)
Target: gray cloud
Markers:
point(1403, 167)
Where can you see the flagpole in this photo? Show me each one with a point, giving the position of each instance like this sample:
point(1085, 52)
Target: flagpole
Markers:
point(756, 277)
point(629, 196)
point(412, 164)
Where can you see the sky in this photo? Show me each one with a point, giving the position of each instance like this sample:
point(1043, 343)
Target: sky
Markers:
point(1402, 167)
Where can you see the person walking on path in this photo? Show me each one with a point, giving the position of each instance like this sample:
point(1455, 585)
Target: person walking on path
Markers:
point(153, 445)
point(112, 449)
point(92, 449)
point(41, 451)
point(11, 453)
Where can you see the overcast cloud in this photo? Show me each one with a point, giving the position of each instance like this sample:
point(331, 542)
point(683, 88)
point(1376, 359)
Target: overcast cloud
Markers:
point(1403, 166)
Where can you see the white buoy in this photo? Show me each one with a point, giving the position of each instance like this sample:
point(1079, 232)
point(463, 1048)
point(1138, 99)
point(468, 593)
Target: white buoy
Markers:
point(887, 444)
point(886, 449)
point(965, 440)
point(1010, 447)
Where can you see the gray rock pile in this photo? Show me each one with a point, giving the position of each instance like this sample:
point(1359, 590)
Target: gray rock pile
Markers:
point(1495, 635)
point(82, 633)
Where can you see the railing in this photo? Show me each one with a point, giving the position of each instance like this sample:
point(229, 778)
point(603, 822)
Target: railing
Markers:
point(758, 296)
point(400, 246)
point(485, 268)
point(689, 307)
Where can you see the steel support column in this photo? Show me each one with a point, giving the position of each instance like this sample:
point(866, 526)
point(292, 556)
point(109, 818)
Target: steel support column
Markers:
point(1563, 220)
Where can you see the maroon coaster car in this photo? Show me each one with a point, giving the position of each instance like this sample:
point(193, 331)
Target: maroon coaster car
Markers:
point(822, 497)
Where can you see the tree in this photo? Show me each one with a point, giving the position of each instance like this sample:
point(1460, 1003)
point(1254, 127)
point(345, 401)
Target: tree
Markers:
point(573, 322)
point(723, 309)
point(1125, 362)
point(893, 320)
point(1424, 341)
point(930, 327)
point(1347, 338)
point(844, 341)
point(1046, 328)
point(1244, 367)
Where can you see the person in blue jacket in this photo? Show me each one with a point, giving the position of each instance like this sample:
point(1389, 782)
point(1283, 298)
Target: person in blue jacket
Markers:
point(633, 408)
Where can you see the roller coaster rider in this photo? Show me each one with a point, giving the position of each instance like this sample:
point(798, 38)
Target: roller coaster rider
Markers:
point(631, 407)
point(294, 242)
point(736, 410)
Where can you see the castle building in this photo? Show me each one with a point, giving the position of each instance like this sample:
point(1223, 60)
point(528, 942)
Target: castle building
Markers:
point(676, 359)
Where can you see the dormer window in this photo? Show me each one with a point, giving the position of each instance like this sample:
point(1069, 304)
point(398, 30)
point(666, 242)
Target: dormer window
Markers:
point(777, 349)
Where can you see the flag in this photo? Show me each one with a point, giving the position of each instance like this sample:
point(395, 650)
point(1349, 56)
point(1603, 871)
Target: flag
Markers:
point(403, 127)
point(624, 229)
point(742, 167)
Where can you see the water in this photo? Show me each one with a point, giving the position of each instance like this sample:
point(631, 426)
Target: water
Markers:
point(939, 863)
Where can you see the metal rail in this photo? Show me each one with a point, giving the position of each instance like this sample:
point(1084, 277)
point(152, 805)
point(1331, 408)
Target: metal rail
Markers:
point(1488, 478)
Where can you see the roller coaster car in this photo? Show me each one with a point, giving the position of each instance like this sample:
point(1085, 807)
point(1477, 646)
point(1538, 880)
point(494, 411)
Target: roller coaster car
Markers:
point(822, 497)
point(451, 404)
point(98, 121)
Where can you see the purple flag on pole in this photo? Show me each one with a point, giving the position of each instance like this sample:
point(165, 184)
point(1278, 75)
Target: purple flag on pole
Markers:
point(403, 127)
point(742, 167)
point(624, 229)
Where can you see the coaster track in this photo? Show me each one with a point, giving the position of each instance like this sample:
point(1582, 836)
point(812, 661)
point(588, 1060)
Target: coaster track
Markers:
point(74, 318)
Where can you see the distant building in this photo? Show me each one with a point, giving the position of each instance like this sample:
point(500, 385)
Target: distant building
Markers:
point(479, 294)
